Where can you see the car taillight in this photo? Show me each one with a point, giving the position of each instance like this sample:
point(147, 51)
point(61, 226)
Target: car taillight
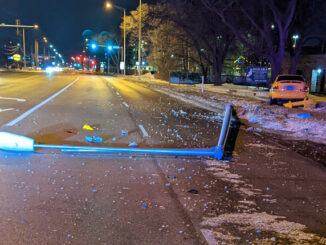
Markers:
point(305, 89)
point(276, 87)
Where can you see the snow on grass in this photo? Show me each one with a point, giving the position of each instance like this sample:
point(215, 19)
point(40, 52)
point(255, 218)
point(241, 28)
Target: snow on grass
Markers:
point(261, 223)
point(275, 119)
point(233, 228)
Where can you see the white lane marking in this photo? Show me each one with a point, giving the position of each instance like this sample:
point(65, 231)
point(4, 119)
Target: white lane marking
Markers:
point(125, 104)
point(9, 109)
point(209, 237)
point(145, 134)
point(7, 98)
point(30, 111)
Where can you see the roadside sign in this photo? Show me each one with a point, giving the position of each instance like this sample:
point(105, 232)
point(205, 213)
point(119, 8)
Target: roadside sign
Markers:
point(122, 65)
point(256, 74)
point(315, 81)
point(17, 57)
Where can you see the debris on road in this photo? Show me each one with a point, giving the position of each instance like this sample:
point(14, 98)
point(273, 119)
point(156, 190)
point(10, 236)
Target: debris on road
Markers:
point(306, 103)
point(133, 144)
point(124, 132)
point(193, 191)
point(88, 127)
point(253, 120)
point(94, 139)
point(9, 109)
point(303, 115)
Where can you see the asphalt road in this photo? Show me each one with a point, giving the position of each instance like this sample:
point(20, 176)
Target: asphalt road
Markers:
point(52, 198)
point(87, 199)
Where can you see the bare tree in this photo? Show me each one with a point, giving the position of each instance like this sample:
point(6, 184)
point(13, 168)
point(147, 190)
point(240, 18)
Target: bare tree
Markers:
point(261, 25)
point(308, 21)
point(205, 32)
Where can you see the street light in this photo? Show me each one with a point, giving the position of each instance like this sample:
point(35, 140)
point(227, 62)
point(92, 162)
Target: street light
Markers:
point(93, 45)
point(108, 5)
point(23, 27)
point(139, 41)
point(45, 42)
point(295, 38)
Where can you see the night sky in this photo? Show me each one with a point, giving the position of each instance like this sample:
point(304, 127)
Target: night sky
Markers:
point(61, 21)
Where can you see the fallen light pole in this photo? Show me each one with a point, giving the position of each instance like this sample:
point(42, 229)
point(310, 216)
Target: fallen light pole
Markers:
point(18, 143)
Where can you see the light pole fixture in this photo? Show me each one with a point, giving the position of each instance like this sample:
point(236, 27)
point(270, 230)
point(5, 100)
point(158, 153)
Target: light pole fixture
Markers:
point(108, 5)
point(35, 27)
point(45, 40)
point(139, 42)
point(295, 38)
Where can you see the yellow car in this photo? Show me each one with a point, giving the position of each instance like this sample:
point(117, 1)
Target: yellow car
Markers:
point(288, 88)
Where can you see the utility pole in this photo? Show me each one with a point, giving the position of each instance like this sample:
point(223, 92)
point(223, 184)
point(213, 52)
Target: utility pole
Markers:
point(24, 48)
point(44, 56)
point(139, 43)
point(36, 54)
point(108, 62)
point(17, 30)
point(124, 41)
point(108, 5)
point(23, 27)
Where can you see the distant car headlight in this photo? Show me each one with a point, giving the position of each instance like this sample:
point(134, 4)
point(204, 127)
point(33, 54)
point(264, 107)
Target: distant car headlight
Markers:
point(49, 70)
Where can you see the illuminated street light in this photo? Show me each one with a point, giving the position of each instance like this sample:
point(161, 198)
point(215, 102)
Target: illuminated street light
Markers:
point(108, 5)
point(110, 48)
point(45, 40)
point(295, 38)
point(94, 46)
point(23, 27)
point(139, 41)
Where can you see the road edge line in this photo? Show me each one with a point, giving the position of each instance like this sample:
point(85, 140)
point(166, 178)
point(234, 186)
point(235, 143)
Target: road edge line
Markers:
point(142, 129)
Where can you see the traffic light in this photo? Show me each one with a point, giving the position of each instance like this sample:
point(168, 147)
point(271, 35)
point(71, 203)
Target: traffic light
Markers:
point(93, 46)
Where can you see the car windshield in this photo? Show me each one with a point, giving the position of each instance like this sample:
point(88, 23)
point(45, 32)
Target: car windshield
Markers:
point(290, 77)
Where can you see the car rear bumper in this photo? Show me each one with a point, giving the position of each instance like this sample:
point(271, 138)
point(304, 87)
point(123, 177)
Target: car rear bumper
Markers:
point(288, 95)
